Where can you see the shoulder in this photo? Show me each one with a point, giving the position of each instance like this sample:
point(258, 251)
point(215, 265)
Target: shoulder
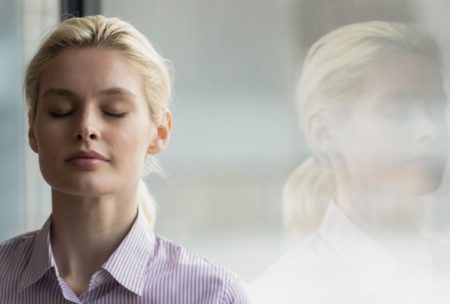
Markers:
point(14, 254)
point(297, 274)
point(178, 257)
point(16, 247)
point(194, 272)
point(310, 253)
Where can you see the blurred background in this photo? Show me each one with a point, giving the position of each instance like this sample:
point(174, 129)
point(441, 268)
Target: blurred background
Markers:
point(235, 139)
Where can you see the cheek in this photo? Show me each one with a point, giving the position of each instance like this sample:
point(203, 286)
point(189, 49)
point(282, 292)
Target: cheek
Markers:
point(128, 145)
point(372, 144)
point(49, 138)
point(357, 140)
point(399, 143)
point(50, 143)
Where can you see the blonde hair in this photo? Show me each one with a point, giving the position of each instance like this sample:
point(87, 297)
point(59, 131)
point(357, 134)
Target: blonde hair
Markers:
point(118, 35)
point(333, 72)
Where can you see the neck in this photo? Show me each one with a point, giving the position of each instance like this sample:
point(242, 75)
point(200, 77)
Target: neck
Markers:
point(86, 231)
point(381, 212)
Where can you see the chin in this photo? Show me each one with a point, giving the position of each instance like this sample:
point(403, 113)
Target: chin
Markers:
point(87, 192)
point(83, 187)
point(424, 184)
point(424, 189)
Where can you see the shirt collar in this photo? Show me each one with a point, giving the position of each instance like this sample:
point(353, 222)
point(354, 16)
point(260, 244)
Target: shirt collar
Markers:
point(39, 262)
point(366, 259)
point(127, 264)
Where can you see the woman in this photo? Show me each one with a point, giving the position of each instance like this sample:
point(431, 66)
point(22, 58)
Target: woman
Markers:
point(372, 104)
point(97, 94)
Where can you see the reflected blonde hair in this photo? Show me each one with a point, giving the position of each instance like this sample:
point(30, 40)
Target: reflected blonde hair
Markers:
point(332, 77)
point(114, 34)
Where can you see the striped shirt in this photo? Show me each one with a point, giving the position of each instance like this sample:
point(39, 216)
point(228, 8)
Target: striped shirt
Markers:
point(145, 268)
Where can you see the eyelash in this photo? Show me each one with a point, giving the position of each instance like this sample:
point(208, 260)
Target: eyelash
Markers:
point(116, 115)
point(62, 115)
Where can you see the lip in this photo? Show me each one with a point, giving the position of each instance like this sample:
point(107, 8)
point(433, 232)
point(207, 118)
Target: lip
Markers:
point(86, 159)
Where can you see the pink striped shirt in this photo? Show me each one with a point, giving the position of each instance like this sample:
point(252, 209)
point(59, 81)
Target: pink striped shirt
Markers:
point(145, 268)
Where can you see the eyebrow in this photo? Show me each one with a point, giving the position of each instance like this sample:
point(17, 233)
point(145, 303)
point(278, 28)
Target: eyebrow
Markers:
point(59, 92)
point(117, 91)
point(70, 94)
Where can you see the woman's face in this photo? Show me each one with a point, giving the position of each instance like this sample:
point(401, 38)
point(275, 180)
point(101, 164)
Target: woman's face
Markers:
point(395, 134)
point(92, 130)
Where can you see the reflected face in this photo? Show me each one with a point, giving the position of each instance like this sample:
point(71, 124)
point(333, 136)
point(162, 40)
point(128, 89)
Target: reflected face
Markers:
point(395, 134)
point(92, 129)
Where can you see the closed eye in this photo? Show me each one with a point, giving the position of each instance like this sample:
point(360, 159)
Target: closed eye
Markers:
point(116, 115)
point(60, 114)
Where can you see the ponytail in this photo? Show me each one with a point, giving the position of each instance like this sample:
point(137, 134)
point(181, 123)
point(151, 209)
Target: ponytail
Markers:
point(146, 203)
point(306, 196)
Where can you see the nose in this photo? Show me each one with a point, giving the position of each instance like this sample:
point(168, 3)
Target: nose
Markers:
point(88, 134)
point(87, 126)
point(430, 128)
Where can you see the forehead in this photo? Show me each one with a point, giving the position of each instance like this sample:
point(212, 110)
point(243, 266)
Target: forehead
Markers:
point(87, 71)
point(404, 74)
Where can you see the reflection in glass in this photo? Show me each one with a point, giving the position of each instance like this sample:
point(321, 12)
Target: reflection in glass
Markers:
point(371, 102)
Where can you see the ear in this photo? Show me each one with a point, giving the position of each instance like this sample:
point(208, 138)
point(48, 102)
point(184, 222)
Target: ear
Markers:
point(320, 129)
point(162, 136)
point(32, 139)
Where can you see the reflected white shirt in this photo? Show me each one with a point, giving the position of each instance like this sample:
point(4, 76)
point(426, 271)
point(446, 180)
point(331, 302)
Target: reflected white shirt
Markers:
point(341, 264)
